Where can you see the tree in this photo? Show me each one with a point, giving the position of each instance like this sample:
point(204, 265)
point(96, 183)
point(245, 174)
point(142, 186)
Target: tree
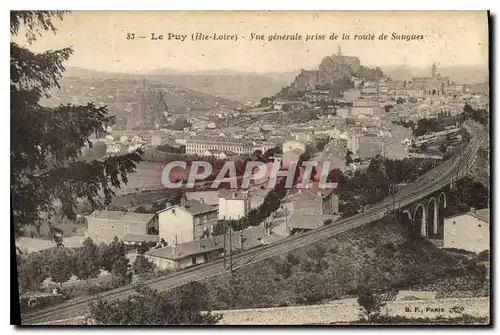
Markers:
point(112, 257)
point(149, 307)
point(31, 271)
point(369, 302)
point(348, 157)
point(46, 174)
point(87, 260)
point(60, 264)
point(154, 108)
point(388, 108)
point(180, 123)
point(257, 154)
point(424, 147)
point(265, 101)
point(142, 265)
point(443, 148)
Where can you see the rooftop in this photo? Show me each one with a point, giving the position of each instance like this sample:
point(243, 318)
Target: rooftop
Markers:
point(220, 140)
point(140, 238)
point(193, 207)
point(308, 221)
point(184, 250)
point(122, 216)
point(252, 238)
point(232, 194)
point(481, 214)
point(208, 197)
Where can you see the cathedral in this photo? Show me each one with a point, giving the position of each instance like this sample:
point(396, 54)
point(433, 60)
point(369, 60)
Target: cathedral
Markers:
point(433, 85)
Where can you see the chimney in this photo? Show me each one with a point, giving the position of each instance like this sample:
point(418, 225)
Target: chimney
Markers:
point(202, 200)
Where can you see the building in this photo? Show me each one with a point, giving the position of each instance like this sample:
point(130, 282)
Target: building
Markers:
point(187, 222)
point(197, 252)
point(104, 225)
point(469, 231)
point(210, 198)
point(330, 202)
point(370, 146)
point(363, 110)
point(316, 202)
point(183, 255)
point(351, 94)
point(353, 143)
point(138, 239)
point(305, 222)
point(233, 205)
point(292, 145)
point(198, 145)
point(344, 112)
point(409, 92)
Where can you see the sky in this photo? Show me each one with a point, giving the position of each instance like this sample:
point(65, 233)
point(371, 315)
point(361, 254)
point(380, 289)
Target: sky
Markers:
point(99, 39)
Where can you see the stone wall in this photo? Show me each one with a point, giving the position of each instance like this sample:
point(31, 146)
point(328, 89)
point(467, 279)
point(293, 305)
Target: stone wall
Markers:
point(348, 311)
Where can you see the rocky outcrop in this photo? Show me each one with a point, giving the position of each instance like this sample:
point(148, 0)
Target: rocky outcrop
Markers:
point(333, 69)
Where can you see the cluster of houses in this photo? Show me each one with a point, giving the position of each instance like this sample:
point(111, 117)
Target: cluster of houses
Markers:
point(187, 230)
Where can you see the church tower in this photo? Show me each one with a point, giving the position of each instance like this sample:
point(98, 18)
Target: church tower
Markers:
point(339, 52)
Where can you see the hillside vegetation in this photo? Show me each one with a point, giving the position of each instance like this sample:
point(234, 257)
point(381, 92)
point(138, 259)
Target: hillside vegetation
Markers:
point(380, 255)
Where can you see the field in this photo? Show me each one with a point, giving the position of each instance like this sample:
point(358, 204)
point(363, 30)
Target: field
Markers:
point(147, 176)
point(28, 245)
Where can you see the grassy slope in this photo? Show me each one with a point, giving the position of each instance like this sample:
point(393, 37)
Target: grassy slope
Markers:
point(377, 255)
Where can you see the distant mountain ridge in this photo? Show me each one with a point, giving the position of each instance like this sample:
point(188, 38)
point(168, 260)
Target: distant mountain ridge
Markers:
point(457, 74)
point(239, 86)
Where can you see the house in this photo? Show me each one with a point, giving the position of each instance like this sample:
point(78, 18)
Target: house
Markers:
point(208, 197)
point(104, 225)
point(351, 94)
point(291, 145)
point(233, 204)
point(304, 222)
point(468, 231)
point(316, 202)
point(343, 112)
point(183, 255)
point(187, 222)
point(138, 239)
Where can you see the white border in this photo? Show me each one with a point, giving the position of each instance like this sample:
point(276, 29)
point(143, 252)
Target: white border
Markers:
point(207, 5)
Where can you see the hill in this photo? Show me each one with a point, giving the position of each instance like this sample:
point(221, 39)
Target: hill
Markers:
point(335, 73)
point(122, 92)
point(240, 86)
point(379, 255)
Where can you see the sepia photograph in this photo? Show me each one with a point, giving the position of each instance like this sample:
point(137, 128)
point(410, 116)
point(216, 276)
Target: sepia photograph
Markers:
point(250, 168)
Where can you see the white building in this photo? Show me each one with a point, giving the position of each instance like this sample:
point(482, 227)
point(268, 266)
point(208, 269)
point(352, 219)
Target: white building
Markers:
point(187, 222)
point(469, 231)
point(343, 112)
point(292, 145)
point(200, 144)
point(233, 205)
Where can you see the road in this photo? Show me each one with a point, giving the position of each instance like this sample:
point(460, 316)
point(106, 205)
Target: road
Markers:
point(425, 185)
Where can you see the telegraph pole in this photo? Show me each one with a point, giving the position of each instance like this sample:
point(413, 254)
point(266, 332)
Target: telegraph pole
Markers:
point(225, 249)
point(231, 250)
